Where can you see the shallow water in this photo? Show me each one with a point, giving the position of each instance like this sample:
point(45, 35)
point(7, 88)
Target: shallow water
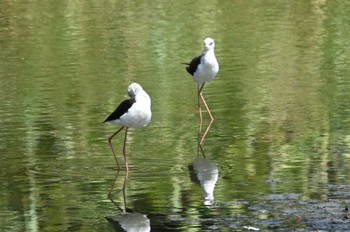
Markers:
point(280, 139)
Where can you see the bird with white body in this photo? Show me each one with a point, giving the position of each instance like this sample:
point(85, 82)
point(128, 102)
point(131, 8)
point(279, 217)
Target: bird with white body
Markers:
point(204, 68)
point(131, 113)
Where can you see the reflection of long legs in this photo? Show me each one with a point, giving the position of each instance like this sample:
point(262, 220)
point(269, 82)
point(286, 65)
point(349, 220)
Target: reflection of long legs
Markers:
point(112, 187)
point(110, 144)
point(121, 190)
point(111, 190)
point(207, 108)
point(200, 149)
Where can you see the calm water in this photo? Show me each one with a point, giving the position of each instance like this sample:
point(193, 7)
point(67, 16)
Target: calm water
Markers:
point(280, 103)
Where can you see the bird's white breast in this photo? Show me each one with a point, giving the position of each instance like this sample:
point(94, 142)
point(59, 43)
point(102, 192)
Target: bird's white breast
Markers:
point(139, 115)
point(207, 69)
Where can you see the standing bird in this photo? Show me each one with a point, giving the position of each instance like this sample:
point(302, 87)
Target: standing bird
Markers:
point(131, 113)
point(204, 68)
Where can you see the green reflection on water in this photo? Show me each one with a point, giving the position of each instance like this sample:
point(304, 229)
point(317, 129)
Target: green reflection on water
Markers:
point(279, 102)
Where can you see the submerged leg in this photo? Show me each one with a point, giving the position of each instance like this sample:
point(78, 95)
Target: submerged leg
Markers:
point(110, 143)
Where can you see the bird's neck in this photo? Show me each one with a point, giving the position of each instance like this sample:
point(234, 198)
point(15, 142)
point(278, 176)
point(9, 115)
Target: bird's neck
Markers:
point(209, 53)
point(143, 98)
point(209, 57)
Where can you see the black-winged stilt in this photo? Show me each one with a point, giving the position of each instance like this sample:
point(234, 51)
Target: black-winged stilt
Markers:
point(131, 113)
point(204, 68)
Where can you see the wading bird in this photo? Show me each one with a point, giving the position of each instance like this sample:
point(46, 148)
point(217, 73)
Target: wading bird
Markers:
point(204, 68)
point(131, 113)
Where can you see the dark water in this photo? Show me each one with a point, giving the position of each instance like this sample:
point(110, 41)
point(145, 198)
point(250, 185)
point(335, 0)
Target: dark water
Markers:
point(280, 103)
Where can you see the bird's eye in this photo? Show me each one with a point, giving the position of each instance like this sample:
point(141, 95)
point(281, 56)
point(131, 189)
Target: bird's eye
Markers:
point(211, 43)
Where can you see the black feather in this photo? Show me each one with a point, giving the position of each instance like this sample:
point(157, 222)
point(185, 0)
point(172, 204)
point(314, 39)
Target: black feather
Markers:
point(121, 109)
point(192, 67)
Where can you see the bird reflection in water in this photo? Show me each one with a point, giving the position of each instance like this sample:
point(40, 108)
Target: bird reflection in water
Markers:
point(127, 221)
point(206, 173)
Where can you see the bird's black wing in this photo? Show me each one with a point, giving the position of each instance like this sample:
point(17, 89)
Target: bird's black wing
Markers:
point(192, 67)
point(123, 107)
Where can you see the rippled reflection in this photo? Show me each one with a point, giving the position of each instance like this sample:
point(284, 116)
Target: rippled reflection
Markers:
point(207, 174)
point(280, 103)
point(127, 220)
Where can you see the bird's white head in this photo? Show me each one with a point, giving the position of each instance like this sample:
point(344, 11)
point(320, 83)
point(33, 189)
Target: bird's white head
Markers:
point(209, 44)
point(133, 89)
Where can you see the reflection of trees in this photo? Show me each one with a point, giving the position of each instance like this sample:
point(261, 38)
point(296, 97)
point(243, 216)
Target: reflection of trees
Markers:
point(283, 83)
point(293, 107)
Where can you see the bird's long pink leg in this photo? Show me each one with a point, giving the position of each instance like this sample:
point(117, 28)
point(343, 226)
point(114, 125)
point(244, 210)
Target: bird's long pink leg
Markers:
point(200, 118)
point(211, 117)
point(200, 113)
point(110, 143)
point(124, 151)
point(124, 190)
